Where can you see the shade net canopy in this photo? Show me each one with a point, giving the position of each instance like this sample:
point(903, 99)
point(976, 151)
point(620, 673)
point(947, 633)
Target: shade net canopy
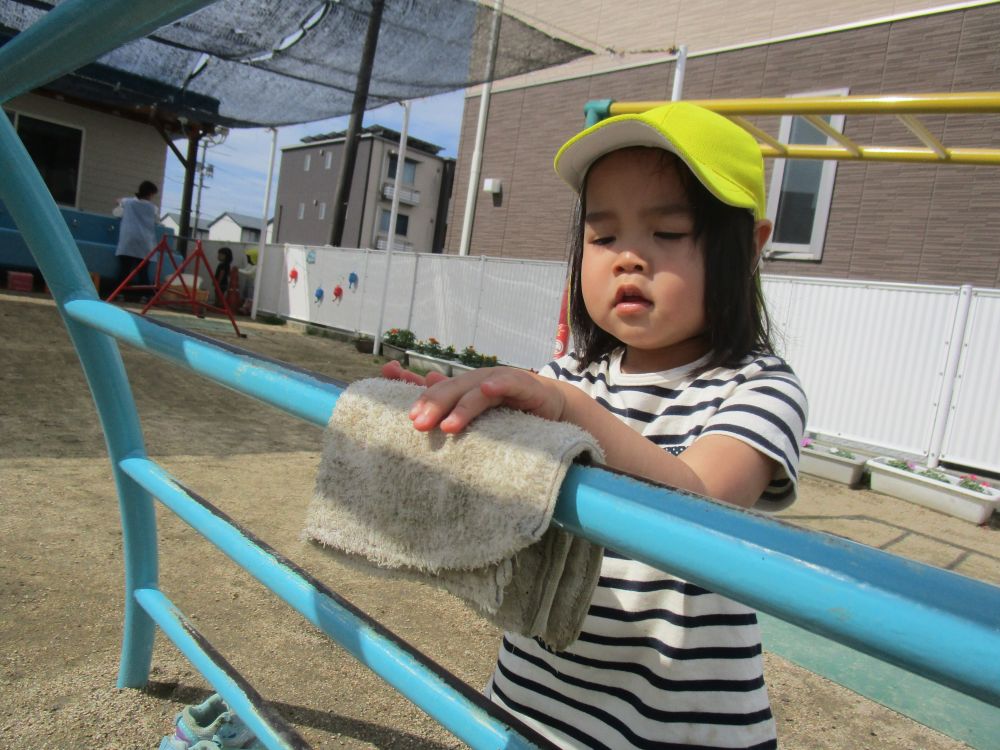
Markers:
point(248, 63)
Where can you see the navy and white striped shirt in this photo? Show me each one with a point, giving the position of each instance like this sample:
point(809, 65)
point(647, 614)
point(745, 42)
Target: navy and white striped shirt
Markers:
point(662, 663)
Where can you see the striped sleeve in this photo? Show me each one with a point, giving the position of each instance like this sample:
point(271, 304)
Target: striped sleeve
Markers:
point(767, 411)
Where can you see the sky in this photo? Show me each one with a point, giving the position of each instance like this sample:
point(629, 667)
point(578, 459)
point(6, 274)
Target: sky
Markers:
point(240, 163)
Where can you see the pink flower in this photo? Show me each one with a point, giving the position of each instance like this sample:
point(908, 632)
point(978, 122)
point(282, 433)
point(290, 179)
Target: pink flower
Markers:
point(806, 442)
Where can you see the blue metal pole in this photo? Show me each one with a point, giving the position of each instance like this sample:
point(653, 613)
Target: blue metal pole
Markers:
point(373, 646)
point(932, 622)
point(183, 634)
point(47, 236)
point(296, 392)
point(77, 32)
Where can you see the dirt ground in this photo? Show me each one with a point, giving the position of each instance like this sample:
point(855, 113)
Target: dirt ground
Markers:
point(61, 574)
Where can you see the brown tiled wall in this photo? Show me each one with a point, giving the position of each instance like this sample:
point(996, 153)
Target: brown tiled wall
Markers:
point(891, 222)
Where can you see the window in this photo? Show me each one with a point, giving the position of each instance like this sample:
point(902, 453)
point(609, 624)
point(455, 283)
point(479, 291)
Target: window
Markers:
point(329, 160)
point(801, 189)
point(56, 151)
point(322, 211)
point(409, 169)
point(302, 210)
point(307, 162)
point(402, 223)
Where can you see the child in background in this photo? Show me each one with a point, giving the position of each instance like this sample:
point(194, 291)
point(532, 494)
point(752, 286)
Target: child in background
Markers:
point(222, 273)
point(674, 373)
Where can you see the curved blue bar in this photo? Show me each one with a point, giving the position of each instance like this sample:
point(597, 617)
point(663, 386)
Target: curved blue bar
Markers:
point(296, 392)
point(43, 228)
point(77, 32)
point(938, 624)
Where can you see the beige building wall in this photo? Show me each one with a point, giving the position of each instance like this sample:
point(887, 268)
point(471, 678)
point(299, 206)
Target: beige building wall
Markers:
point(935, 224)
point(639, 32)
point(118, 154)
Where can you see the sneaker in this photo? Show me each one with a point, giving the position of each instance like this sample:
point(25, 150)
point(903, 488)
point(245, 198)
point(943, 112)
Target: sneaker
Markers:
point(233, 733)
point(200, 722)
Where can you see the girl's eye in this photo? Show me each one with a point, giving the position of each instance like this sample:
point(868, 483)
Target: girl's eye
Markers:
point(602, 240)
point(670, 235)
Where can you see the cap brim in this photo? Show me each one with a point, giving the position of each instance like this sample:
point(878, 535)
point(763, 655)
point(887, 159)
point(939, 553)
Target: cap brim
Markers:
point(577, 155)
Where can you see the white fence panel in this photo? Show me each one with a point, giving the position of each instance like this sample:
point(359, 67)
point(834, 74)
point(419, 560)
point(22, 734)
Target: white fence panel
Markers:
point(507, 308)
point(445, 298)
point(270, 269)
point(520, 310)
point(871, 356)
point(972, 437)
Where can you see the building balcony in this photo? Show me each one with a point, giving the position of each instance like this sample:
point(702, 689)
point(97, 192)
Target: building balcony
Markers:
point(406, 195)
point(382, 243)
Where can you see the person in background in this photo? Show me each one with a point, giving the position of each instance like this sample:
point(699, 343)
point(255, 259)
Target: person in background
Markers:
point(137, 235)
point(222, 273)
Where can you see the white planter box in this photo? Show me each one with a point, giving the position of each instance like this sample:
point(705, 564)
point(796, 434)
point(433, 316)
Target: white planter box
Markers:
point(428, 363)
point(458, 367)
point(390, 351)
point(816, 459)
point(956, 501)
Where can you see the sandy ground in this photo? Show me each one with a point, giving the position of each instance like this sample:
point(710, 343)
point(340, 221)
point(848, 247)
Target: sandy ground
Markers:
point(61, 568)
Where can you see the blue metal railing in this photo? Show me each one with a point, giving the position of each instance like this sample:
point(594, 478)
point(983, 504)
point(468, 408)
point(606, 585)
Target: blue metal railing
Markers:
point(932, 622)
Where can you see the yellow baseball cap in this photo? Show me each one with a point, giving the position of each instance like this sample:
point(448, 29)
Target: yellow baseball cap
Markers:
point(721, 154)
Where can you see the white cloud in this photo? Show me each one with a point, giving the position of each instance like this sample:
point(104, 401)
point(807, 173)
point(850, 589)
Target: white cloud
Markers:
point(240, 163)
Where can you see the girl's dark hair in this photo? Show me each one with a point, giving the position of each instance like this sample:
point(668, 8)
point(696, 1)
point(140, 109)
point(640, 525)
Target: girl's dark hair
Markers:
point(735, 314)
point(228, 254)
point(146, 189)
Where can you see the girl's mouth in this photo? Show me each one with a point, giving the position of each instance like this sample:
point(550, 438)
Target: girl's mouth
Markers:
point(628, 299)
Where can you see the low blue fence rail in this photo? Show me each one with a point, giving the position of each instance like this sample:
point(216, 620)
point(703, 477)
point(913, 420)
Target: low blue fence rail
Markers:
point(937, 624)
point(95, 236)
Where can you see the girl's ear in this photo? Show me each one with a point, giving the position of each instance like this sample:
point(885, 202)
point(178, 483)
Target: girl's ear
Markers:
point(761, 234)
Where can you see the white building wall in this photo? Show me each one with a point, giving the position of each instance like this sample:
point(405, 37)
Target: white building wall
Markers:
point(118, 154)
point(226, 230)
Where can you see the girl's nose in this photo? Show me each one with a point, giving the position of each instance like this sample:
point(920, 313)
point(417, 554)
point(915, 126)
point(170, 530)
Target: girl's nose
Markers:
point(629, 262)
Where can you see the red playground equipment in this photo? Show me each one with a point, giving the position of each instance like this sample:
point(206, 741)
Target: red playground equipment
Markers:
point(179, 288)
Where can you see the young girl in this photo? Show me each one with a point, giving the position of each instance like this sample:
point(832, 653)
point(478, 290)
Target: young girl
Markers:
point(222, 272)
point(674, 374)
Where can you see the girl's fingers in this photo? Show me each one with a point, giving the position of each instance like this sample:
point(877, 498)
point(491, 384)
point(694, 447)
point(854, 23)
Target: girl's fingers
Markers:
point(434, 377)
point(472, 403)
point(437, 402)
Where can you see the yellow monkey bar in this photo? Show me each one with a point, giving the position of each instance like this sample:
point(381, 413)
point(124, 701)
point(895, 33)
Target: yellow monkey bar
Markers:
point(905, 107)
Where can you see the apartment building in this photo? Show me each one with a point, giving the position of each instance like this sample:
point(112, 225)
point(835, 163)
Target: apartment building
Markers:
point(308, 177)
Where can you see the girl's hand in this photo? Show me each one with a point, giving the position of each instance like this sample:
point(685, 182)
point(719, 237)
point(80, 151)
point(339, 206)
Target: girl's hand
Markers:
point(392, 370)
point(452, 403)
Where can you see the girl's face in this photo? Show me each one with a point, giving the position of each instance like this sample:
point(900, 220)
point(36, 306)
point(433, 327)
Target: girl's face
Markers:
point(643, 272)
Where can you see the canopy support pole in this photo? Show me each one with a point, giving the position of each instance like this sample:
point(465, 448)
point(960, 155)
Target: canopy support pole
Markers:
point(477, 150)
point(342, 195)
point(190, 165)
point(263, 222)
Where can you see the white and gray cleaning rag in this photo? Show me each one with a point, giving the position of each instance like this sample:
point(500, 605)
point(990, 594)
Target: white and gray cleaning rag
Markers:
point(468, 513)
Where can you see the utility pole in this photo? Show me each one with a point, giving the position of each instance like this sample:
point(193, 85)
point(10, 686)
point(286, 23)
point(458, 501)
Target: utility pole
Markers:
point(342, 194)
point(203, 168)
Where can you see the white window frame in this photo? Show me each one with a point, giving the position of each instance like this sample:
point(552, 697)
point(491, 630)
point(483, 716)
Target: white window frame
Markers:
point(322, 210)
point(307, 162)
point(388, 168)
point(329, 160)
point(302, 211)
point(813, 251)
point(72, 125)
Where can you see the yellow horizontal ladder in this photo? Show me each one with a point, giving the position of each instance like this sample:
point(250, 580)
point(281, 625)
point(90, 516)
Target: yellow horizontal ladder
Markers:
point(904, 107)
